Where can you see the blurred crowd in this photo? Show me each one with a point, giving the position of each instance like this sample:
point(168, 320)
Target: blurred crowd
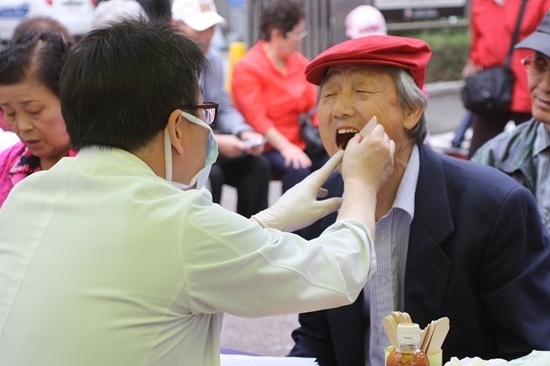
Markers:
point(457, 238)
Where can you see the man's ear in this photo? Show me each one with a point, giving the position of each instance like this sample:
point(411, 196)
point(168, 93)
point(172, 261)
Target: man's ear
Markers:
point(412, 117)
point(175, 130)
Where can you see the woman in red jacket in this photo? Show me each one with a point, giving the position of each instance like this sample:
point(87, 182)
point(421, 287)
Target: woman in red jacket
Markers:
point(270, 89)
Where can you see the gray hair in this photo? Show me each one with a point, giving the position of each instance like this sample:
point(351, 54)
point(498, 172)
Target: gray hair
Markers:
point(410, 96)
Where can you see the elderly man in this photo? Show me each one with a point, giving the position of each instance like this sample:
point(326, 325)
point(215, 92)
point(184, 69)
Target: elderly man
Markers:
point(524, 152)
point(453, 238)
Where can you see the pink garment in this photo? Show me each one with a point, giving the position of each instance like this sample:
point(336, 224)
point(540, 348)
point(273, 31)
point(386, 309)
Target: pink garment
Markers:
point(266, 97)
point(7, 158)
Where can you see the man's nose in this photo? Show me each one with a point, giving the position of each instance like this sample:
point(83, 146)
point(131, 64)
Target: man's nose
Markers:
point(344, 106)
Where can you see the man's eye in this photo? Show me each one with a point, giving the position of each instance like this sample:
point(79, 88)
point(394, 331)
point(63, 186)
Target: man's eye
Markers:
point(540, 64)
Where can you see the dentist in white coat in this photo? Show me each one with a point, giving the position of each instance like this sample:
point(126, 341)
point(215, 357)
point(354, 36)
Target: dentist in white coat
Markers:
point(119, 257)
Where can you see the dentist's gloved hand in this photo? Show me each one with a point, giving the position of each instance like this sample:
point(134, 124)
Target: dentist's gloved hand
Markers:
point(299, 207)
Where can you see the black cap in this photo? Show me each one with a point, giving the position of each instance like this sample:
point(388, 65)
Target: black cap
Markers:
point(539, 40)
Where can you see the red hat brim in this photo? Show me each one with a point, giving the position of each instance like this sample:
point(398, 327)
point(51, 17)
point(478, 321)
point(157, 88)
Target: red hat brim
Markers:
point(408, 53)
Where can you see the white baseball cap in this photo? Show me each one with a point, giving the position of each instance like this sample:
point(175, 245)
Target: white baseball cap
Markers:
point(197, 14)
point(365, 20)
point(108, 12)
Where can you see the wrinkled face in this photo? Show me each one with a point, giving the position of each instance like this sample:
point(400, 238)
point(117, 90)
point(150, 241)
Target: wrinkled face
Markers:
point(539, 86)
point(350, 96)
point(33, 112)
point(202, 38)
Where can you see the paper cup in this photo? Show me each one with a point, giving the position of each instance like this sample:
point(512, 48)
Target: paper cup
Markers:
point(436, 359)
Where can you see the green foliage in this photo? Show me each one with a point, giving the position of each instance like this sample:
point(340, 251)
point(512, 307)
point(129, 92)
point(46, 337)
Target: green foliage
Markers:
point(450, 47)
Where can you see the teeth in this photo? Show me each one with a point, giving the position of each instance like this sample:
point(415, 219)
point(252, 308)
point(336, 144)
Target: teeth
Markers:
point(343, 135)
point(347, 130)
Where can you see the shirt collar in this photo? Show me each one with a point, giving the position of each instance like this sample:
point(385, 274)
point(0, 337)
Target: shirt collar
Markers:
point(404, 200)
point(116, 156)
point(542, 141)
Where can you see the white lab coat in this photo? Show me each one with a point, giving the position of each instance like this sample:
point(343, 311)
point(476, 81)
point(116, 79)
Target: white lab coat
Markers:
point(104, 263)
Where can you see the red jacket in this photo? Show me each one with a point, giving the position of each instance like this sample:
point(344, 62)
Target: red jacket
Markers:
point(266, 97)
point(492, 27)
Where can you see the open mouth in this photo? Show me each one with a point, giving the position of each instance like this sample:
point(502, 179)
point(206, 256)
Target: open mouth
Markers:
point(343, 136)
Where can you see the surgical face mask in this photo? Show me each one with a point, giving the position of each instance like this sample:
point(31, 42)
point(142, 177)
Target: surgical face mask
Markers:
point(199, 179)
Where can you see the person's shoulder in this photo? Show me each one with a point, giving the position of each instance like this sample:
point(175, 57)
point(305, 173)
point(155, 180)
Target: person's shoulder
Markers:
point(520, 131)
point(473, 186)
point(467, 168)
point(472, 178)
point(253, 58)
point(507, 144)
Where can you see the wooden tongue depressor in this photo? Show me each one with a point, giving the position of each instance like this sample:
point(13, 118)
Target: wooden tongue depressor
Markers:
point(390, 326)
point(402, 318)
point(408, 317)
point(395, 315)
point(427, 338)
point(369, 126)
point(438, 336)
point(422, 335)
point(366, 130)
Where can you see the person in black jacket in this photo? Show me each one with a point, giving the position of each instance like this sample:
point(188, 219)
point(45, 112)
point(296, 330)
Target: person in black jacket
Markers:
point(453, 238)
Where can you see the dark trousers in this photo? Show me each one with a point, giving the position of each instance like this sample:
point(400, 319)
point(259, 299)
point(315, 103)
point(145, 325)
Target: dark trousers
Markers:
point(290, 176)
point(250, 175)
point(485, 127)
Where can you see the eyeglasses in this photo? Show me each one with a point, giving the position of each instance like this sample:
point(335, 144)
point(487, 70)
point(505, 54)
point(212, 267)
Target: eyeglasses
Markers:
point(209, 110)
point(297, 37)
point(536, 65)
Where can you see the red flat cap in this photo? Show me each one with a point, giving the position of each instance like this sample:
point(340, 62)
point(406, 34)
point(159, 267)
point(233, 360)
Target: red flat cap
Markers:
point(407, 53)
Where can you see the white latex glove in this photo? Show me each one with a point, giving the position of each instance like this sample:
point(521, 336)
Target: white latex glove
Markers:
point(299, 207)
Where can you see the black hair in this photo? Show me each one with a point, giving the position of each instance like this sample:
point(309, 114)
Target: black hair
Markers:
point(38, 55)
point(280, 14)
point(121, 83)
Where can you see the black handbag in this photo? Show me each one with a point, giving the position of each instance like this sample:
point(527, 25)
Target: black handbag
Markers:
point(491, 89)
point(310, 133)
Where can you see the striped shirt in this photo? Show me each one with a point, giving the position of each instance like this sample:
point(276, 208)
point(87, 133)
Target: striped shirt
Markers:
point(386, 286)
